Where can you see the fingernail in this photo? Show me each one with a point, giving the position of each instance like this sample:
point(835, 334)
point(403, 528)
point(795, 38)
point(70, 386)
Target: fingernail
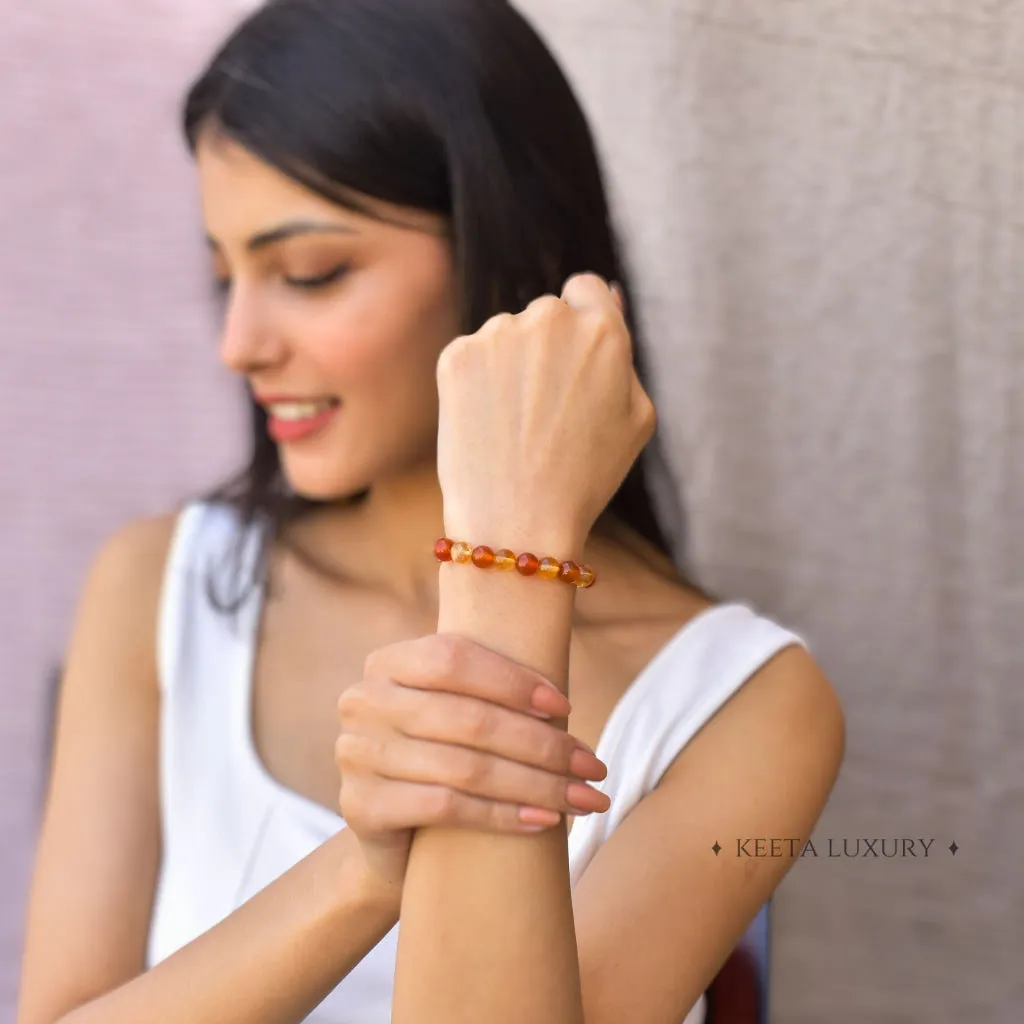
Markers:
point(539, 817)
point(548, 701)
point(585, 765)
point(586, 798)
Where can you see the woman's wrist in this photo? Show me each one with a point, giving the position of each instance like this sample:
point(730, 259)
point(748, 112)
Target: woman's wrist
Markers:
point(357, 885)
point(553, 535)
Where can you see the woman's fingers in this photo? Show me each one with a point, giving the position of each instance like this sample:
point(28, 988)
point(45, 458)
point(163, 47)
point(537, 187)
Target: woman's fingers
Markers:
point(453, 664)
point(388, 806)
point(467, 771)
point(468, 722)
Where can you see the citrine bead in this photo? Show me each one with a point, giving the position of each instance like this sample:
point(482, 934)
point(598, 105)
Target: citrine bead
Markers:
point(527, 564)
point(443, 550)
point(483, 556)
point(568, 572)
point(586, 579)
point(549, 568)
point(505, 559)
point(461, 551)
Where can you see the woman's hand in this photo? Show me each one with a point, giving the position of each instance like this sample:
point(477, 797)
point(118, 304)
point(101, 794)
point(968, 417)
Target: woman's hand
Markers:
point(541, 416)
point(443, 731)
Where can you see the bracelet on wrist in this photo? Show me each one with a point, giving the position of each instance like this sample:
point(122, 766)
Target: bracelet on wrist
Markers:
point(526, 564)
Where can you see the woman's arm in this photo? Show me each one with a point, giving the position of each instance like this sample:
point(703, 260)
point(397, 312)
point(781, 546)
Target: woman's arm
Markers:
point(272, 960)
point(487, 925)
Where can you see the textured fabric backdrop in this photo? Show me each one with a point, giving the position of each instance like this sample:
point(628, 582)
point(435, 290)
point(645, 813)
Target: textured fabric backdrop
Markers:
point(825, 203)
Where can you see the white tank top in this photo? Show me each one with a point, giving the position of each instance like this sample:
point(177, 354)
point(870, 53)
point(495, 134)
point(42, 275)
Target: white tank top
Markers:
point(229, 828)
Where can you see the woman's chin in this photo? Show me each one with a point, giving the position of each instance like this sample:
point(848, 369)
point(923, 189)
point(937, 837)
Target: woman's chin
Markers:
point(323, 487)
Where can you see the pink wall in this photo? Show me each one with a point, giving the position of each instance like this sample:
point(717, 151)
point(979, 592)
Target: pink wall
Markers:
point(111, 403)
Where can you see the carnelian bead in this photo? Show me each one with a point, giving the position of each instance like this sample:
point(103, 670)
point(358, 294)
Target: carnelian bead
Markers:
point(505, 559)
point(443, 550)
point(483, 557)
point(568, 572)
point(549, 568)
point(586, 579)
point(527, 564)
point(461, 551)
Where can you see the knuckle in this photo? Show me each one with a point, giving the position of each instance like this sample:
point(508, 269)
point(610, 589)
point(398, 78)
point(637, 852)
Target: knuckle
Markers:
point(477, 722)
point(471, 772)
point(600, 323)
point(375, 664)
point(354, 808)
point(648, 418)
point(500, 817)
point(440, 804)
point(351, 701)
point(453, 357)
point(556, 751)
point(496, 324)
point(447, 654)
point(545, 307)
point(352, 751)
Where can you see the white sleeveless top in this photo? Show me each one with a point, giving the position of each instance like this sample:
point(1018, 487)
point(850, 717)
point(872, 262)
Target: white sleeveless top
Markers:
point(229, 828)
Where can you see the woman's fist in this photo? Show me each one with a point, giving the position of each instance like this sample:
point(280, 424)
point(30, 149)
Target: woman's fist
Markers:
point(541, 413)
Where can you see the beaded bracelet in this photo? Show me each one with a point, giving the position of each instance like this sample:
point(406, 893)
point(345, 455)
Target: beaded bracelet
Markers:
point(447, 550)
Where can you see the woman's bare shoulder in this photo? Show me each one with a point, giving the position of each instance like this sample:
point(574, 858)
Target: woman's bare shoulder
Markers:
point(122, 585)
point(138, 549)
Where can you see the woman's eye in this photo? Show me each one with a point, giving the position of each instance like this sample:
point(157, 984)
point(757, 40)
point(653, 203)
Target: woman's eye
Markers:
point(320, 280)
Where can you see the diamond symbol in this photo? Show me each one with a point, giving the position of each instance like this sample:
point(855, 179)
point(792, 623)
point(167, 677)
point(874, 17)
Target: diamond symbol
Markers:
point(716, 848)
point(953, 847)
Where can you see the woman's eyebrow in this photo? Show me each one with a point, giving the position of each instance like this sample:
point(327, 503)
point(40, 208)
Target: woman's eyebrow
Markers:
point(289, 230)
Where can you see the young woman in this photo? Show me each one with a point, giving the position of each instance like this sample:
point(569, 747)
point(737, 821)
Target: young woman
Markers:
point(428, 307)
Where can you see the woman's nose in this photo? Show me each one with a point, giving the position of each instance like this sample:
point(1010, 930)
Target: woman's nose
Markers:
point(247, 341)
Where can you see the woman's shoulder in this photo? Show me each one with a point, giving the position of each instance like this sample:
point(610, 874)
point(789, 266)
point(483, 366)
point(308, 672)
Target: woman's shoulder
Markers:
point(134, 556)
point(115, 619)
point(138, 548)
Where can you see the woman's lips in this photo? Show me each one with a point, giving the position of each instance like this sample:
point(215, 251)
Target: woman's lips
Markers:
point(288, 431)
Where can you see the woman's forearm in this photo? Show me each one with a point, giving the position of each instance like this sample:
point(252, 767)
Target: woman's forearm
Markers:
point(487, 927)
point(272, 960)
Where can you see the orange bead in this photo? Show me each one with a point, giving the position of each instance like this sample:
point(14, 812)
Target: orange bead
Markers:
point(527, 564)
point(483, 556)
point(549, 568)
point(443, 550)
point(569, 572)
point(505, 559)
point(461, 551)
point(586, 579)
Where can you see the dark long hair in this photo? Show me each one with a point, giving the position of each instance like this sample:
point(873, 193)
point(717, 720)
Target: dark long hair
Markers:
point(450, 106)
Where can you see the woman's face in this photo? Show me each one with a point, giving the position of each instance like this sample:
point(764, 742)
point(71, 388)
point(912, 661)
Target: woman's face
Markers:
point(335, 319)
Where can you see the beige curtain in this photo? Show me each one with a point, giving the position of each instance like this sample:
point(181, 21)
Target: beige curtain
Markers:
point(825, 203)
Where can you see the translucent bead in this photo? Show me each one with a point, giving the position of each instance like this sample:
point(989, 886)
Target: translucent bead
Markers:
point(568, 572)
point(461, 551)
point(505, 559)
point(483, 556)
point(443, 550)
point(527, 564)
point(549, 568)
point(586, 579)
